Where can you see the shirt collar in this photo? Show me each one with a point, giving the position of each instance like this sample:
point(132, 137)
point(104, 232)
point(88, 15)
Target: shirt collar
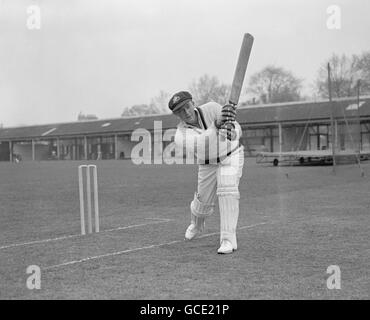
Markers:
point(198, 118)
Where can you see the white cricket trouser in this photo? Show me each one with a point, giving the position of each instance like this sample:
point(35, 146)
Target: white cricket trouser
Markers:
point(208, 173)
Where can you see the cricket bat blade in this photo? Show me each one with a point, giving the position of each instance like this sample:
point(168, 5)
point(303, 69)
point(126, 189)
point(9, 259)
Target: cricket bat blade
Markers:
point(241, 68)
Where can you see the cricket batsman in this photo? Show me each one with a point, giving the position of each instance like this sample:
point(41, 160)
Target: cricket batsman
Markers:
point(214, 133)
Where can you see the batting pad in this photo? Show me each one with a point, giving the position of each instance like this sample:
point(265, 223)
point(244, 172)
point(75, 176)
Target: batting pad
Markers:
point(200, 209)
point(229, 214)
point(227, 182)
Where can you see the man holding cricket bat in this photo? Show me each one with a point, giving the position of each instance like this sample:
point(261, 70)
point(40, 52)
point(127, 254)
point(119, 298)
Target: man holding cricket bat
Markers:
point(213, 133)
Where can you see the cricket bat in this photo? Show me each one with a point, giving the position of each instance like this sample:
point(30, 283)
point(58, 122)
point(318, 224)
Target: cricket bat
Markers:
point(241, 68)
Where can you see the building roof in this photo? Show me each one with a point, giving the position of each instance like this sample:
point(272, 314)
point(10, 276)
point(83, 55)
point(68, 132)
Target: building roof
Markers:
point(106, 126)
point(247, 115)
point(303, 111)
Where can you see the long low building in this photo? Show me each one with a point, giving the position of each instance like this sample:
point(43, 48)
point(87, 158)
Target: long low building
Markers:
point(274, 128)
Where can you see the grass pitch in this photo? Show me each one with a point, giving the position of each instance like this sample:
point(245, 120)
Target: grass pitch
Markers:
point(294, 223)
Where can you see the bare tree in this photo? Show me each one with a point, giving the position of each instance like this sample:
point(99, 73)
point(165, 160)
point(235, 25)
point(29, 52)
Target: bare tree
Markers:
point(160, 102)
point(208, 88)
point(158, 105)
point(362, 67)
point(86, 117)
point(344, 74)
point(139, 109)
point(275, 84)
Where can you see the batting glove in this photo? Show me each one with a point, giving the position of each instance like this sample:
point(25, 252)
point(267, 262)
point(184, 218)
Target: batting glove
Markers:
point(228, 131)
point(228, 113)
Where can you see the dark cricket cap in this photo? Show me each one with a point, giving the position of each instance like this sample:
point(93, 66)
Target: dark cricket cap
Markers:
point(178, 100)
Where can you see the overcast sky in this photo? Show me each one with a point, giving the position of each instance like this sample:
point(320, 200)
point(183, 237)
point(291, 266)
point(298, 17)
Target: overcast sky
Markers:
point(100, 56)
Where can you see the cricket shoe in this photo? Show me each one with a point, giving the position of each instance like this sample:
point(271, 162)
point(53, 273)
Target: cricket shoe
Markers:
point(226, 247)
point(193, 231)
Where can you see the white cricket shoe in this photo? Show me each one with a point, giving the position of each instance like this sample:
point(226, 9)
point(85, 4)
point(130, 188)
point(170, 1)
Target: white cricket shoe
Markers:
point(193, 231)
point(226, 247)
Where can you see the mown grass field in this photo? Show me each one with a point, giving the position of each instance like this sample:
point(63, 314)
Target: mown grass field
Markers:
point(294, 223)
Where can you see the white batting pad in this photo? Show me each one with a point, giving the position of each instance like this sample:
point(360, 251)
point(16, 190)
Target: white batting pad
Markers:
point(200, 209)
point(229, 214)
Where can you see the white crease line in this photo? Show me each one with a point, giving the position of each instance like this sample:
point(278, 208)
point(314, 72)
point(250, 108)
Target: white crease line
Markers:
point(136, 225)
point(37, 241)
point(241, 228)
point(138, 249)
point(79, 235)
point(159, 219)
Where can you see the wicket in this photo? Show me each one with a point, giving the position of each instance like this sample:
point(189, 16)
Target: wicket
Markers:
point(88, 197)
